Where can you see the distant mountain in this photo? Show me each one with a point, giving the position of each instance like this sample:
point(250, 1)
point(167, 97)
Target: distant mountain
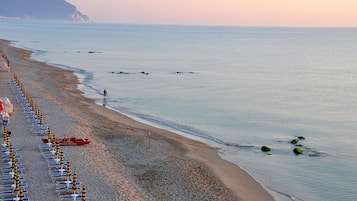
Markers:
point(41, 9)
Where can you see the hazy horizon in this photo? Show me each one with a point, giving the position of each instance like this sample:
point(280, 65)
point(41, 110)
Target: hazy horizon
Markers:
point(278, 13)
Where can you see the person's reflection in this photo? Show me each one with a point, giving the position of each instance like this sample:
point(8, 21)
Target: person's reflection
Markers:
point(104, 101)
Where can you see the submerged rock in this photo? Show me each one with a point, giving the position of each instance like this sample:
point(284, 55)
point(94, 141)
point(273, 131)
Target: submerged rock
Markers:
point(92, 52)
point(316, 154)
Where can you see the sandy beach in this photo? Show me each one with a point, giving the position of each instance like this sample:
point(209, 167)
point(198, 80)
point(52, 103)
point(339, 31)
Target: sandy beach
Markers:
point(122, 162)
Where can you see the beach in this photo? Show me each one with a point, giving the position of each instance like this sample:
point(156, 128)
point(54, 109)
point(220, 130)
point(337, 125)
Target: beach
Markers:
point(126, 160)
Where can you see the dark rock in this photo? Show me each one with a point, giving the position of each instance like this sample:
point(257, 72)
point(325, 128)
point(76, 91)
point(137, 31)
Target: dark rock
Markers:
point(298, 150)
point(265, 149)
point(294, 141)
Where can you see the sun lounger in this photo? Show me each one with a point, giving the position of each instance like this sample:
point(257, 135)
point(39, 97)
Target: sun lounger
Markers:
point(8, 157)
point(67, 184)
point(39, 130)
point(11, 192)
point(9, 163)
point(20, 167)
point(72, 197)
point(10, 179)
point(5, 121)
point(15, 199)
point(12, 186)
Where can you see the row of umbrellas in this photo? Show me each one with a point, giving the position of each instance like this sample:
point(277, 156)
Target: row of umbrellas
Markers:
point(31, 110)
point(67, 185)
point(12, 180)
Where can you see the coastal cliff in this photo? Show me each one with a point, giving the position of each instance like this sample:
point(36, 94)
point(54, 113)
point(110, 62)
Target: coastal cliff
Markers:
point(41, 9)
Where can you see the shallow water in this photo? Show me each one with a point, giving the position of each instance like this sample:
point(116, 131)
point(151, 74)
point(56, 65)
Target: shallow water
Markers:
point(236, 88)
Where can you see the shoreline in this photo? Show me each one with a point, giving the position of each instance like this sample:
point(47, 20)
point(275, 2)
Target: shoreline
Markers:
point(136, 167)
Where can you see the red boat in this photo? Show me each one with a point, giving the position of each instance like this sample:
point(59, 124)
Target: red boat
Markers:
point(73, 141)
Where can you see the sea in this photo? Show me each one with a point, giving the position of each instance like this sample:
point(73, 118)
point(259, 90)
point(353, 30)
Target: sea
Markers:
point(234, 88)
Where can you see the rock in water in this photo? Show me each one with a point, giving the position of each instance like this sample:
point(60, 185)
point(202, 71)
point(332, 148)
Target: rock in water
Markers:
point(298, 150)
point(294, 141)
point(265, 148)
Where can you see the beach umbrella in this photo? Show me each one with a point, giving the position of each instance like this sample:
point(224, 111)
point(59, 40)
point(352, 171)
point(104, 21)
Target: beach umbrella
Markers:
point(57, 147)
point(17, 178)
point(15, 77)
point(17, 80)
point(16, 183)
point(56, 153)
point(68, 166)
point(41, 119)
point(5, 134)
point(17, 191)
point(12, 158)
point(74, 182)
point(84, 193)
point(11, 149)
point(13, 167)
point(22, 196)
point(54, 141)
point(68, 181)
point(49, 134)
point(61, 165)
point(62, 157)
point(36, 109)
point(6, 139)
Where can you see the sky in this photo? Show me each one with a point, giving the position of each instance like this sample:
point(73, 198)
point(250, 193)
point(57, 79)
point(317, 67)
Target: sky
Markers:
point(327, 13)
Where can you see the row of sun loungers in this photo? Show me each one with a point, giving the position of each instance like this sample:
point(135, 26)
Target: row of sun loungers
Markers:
point(13, 186)
point(59, 169)
point(31, 111)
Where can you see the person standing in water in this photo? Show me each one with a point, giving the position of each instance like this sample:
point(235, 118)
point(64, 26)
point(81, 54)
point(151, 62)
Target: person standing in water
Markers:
point(105, 97)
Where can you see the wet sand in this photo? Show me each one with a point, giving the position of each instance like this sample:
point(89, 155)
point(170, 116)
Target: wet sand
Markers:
point(122, 162)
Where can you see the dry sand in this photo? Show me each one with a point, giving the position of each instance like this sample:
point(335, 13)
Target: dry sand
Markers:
point(121, 162)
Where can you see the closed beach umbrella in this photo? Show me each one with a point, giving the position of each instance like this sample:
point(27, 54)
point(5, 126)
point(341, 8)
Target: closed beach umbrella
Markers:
point(84, 193)
point(74, 183)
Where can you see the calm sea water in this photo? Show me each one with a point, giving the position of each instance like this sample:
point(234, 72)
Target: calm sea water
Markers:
point(236, 88)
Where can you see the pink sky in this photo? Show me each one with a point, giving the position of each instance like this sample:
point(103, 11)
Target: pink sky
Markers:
point(223, 12)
